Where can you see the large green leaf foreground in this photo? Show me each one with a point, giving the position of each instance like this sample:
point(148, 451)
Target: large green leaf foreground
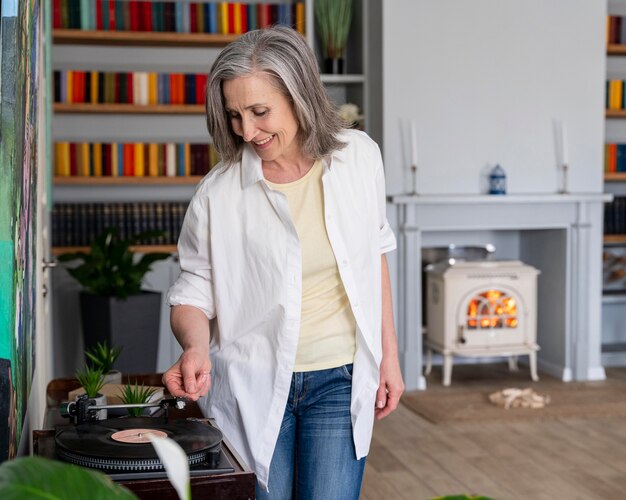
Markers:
point(36, 477)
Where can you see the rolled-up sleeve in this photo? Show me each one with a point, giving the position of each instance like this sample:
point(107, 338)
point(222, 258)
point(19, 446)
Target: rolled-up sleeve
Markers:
point(386, 238)
point(194, 286)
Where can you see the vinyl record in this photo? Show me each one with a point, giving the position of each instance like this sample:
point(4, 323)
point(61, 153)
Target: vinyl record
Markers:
point(121, 444)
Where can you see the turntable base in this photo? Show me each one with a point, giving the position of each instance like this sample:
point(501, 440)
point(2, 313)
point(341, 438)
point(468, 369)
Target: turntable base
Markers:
point(238, 484)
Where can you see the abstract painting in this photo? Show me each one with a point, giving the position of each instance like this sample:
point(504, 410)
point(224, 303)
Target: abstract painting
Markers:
point(21, 80)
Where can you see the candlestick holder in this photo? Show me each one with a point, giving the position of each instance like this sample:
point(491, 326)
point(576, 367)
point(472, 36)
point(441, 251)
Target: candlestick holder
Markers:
point(414, 178)
point(563, 189)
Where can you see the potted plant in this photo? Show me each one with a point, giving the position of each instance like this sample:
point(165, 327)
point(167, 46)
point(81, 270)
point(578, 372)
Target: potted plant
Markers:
point(114, 308)
point(91, 380)
point(101, 357)
point(333, 19)
point(139, 394)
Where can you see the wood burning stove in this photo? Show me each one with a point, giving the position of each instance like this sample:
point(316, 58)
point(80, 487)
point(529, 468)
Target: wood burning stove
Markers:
point(481, 309)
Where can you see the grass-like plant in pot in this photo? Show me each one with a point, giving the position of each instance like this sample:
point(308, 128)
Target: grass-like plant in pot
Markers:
point(102, 357)
point(114, 307)
point(91, 380)
point(333, 19)
point(137, 394)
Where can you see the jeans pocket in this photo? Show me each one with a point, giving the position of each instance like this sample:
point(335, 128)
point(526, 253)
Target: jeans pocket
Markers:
point(346, 371)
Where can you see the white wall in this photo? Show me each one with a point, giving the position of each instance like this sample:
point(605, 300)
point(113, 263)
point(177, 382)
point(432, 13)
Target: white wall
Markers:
point(484, 80)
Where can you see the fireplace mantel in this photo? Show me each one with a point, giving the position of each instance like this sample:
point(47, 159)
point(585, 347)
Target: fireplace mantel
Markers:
point(560, 234)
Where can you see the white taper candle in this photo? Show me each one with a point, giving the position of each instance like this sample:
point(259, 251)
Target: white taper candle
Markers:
point(413, 145)
point(564, 144)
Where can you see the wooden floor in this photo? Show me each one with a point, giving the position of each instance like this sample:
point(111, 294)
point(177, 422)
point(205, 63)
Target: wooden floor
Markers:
point(411, 458)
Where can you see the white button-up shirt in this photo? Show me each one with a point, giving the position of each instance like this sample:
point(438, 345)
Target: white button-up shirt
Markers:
point(241, 264)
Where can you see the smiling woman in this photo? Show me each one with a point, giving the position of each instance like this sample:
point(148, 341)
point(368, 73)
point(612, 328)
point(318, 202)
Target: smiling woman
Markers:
point(283, 245)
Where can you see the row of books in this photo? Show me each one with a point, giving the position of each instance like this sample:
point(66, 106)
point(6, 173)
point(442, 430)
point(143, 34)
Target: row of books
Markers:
point(133, 159)
point(615, 95)
point(615, 216)
point(139, 87)
point(614, 158)
point(175, 16)
point(78, 224)
point(615, 30)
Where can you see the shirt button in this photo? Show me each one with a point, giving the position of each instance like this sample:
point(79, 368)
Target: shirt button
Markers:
point(356, 305)
point(344, 262)
point(329, 217)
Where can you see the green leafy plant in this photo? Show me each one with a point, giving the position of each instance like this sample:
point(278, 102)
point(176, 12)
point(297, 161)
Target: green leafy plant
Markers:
point(139, 394)
point(91, 380)
point(110, 269)
point(37, 477)
point(333, 24)
point(102, 356)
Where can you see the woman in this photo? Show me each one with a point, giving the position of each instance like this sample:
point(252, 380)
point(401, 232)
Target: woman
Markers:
point(283, 269)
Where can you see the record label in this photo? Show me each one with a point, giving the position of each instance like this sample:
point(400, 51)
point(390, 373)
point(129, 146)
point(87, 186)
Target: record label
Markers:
point(137, 435)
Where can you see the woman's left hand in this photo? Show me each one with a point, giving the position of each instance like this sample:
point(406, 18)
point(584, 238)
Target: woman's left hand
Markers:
point(391, 386)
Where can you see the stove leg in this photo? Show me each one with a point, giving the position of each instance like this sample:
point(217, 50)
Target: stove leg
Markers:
point(532, 361)
point(513, 363)
point(447, 369)
point(429, 361)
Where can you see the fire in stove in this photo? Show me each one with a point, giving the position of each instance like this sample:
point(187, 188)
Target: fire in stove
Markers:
point(492, 309)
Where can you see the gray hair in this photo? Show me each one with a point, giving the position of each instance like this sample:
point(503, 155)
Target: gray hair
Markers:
point(282, 53)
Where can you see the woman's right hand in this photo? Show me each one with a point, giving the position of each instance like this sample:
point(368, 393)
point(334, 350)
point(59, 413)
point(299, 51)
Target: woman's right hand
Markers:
point(190, 376)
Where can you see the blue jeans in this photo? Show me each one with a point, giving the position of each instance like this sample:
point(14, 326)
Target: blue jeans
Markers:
point(314, 458)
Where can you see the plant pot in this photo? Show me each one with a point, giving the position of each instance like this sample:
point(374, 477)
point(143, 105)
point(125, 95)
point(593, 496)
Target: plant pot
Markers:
point(113, 377)
point(334, 66)
point(132, 324)
point(101, 400)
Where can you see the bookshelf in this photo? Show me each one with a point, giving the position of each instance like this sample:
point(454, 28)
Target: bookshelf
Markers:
point(139, 38)
point(125, 51)
point(191, 180)
point(615, 49)
point(56, 251)
point(613, 340)
point(176, 109)
point(615, 177)
point(174, 52)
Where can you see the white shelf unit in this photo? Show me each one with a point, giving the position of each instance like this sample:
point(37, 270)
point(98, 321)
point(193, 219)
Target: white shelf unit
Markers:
point(353, 86)
point(613, 305)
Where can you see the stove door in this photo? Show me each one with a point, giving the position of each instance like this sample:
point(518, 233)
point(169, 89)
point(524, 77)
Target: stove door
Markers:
point(491, 317)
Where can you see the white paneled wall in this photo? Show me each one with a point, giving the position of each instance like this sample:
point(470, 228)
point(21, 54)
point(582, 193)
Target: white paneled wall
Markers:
point(483, 81)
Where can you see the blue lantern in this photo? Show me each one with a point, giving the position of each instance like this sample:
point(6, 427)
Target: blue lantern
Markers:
point(497, 180)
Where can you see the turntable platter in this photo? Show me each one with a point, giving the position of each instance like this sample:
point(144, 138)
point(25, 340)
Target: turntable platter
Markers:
point(122, 444)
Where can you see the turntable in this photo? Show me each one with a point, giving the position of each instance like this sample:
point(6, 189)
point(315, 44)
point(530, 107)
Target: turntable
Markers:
point(120, 447)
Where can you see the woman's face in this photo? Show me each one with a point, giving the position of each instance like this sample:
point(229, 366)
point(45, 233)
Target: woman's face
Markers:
point(263, 117)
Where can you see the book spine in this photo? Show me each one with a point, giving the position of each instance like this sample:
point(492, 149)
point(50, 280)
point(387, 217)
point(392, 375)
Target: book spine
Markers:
point(153, 161)
point(210, 17)
point(170, 160)
point(299, 17)
point(139, 160)
point(180, 158)
point(193, 18)
point(97, 159)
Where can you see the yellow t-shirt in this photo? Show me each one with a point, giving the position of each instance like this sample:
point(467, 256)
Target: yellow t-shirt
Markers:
point(328, 327)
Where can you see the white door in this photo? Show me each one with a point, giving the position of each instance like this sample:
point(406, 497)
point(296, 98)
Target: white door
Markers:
point(42, 341)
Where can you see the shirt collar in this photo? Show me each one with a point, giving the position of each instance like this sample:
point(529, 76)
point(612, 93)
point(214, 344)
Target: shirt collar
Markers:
point(251, 167)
